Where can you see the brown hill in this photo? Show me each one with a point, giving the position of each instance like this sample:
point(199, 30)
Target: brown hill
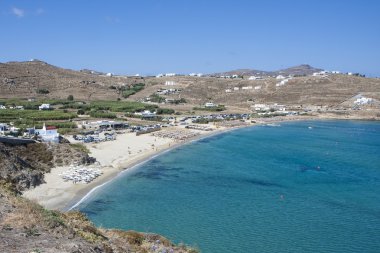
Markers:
point(330, 91)
point(23, 79)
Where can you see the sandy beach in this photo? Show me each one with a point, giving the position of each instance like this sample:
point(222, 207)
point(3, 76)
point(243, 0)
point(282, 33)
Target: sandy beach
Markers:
point(116, 156)
point(113, 157)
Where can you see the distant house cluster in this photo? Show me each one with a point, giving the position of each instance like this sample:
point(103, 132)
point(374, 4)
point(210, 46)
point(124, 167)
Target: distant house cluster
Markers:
point(17, 107)
point(166, 75)
point(255, 78)
point(230, 76)
point(168, 91)
point(243, 88)
point(361, 100)
point(196, 74)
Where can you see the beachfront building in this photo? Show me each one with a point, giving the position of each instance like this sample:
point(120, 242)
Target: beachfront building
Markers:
point(146, 114)
point(44, 107)
point(104, 125)
point(48, 134)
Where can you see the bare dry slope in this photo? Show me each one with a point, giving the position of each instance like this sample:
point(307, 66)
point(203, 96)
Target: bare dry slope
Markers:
point(23, 79)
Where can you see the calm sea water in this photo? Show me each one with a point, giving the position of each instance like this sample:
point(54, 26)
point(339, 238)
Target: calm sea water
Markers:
point(311, 186)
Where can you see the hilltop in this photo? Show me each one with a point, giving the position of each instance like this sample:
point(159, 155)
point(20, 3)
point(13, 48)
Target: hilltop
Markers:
point(300, 70)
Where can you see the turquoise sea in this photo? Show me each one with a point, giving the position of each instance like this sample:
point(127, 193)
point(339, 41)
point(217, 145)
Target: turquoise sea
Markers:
point(310, 186)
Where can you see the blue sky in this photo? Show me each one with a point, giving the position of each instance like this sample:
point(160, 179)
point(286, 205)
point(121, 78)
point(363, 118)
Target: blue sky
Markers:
point(183, 36)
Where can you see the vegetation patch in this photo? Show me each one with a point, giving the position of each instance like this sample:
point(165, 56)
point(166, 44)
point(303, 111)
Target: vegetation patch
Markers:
point(8, 115)
point(218, 108)
point(133, 89)
point(80, 147)
point(42, 91)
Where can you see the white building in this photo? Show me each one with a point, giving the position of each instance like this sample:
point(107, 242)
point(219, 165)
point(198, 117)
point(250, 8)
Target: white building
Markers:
point(363, 101)
point(2, 107)
point(209, 104)
point(255, 78)
point(170, 74)
point(170, 83)
point(261, 107)
point(283, 82)
point(321, 73)
point(3, 128)
point(44, 107)
point(236, 88)
point(235, 76)
point(228, 90)
point(280, 77)
point(48, 134)
point(159, 75)
point(258, 87)
point(148, 114)
point(335, 72)
point(247, 88)
point(109, 74)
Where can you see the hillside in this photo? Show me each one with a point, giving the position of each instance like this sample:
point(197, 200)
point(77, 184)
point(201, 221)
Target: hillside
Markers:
point(329, 91)
point(300, 70)
point(23, 79)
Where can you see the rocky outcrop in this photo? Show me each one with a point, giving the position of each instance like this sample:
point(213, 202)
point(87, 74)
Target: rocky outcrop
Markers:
point(24, 166)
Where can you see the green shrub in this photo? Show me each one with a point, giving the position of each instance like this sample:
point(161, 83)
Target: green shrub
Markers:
point(100, 114)
point(211, 109)
point(42, 91)
point(164, 111)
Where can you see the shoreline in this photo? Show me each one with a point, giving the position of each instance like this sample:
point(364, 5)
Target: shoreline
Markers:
point(74, 194)
point(134, 164)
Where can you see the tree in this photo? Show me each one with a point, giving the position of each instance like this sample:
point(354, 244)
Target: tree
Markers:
point(70, 98)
